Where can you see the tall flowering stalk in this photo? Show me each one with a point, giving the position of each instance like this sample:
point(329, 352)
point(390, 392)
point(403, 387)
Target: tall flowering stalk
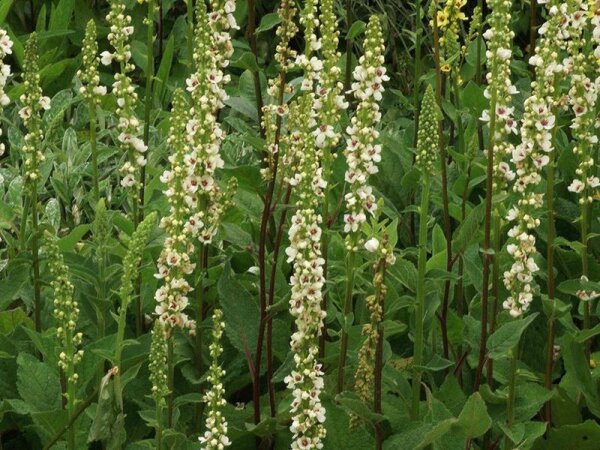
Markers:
point(329, 104)
point(92, 91)
point(307, 281)
point(129, 126)
point(174, 263)
point(535, 151)
point(271, 128)
point(206, 200)
point(149, 92)
point(362, 155)
point(583, 96)
point(131, 263)
point(157, 365)
point(33, 102)
point(501, 124)
point(5, 72)
point(368, 377)
point(425, 159)
point(215, 436)
point(66, 313)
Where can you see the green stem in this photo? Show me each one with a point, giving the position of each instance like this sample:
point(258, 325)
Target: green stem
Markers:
point(348, 69)
point(190, 31)
point(170, 382)
point(496, 228)
point(420, 299)
point(551, 234)
point(510, 405)
point(350, 271)
point(95, 185)
point(159, 425)
point(70, 391)
point(35, 261)
point(585, 270)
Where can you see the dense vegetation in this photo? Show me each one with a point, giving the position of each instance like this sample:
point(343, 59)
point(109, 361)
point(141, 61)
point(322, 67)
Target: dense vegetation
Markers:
point(299, 224)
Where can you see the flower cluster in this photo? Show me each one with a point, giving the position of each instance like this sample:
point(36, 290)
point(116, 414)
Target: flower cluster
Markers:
point(66, 310)
point(304, 252)
point(329, 101)
point(582, 99)
point(33, 102)
point(449, 19)
point(362, 153)
point(428, 135)
point(529, 158)
point(174, 262)
point(90, 79)
point(274, 112)
point(215, 436)
point(5, 72)
point(129, 126)
point(133, 258)
point(206, 200)
point(500, 89)
point(157, 363)
point(372, 331)
point(222, 20)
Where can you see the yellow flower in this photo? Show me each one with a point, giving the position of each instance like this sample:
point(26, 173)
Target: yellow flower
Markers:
point(442, 19)
point(446, 68)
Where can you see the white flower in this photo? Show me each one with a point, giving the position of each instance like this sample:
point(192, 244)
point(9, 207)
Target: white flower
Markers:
point(576, 186)
point(372, 245)
point(106, 57)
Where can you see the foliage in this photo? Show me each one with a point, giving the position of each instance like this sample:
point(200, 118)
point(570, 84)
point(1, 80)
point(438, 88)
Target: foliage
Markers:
point(255, 226)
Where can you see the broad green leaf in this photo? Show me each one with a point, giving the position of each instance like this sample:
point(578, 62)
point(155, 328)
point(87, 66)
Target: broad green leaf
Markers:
point(240, 312)
point(357, 28)
point(267, 22)
point(508, 336)
point(474, 419)
point(37, 383)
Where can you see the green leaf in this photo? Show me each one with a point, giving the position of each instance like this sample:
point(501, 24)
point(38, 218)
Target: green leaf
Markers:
point(507, 337)
point(582, 436)
point(5, 6)
point(267, 22)
point(240, 312)
point(161, 77)
point(246, 61)
point(419, 435)
point(357, 28)
point(10, 319)
point(577, 367)
point(37, 383)
point(474, 419)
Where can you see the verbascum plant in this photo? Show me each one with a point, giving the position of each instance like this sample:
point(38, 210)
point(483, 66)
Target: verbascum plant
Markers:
point(5, 72)
point(66, 313)
point(92, 91)
point(370, 363)
point(157, 365)
point(501, 124)
point(33, 102)
point(129, 126)
point(304, 252)
point(449, 19)
point(499, 91)
point(362, 154)
point(276, 109)
point(131, 264)
point(329, 104)
point(215, 437)
point(529, 158)
point(583, 98)
point(174, 263)
point(425, 160)
point(205, 134)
